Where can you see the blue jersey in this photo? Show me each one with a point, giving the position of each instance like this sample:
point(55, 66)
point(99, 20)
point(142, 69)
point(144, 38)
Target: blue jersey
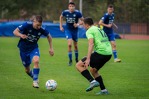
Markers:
point(108, 19)
point(71, 18)
point(30, 43)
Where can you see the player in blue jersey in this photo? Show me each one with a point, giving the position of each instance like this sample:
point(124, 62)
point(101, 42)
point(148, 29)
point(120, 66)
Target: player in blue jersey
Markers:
point(29, 34)
point(73, 20)
point(108, 24)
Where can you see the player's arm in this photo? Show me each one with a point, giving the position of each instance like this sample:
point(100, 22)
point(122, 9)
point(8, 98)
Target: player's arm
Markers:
point(61, 22)
point(80, 22)
point(90, 49)
point(115, 26)
point(103, 24)
point(16, 32)
point(51, 51)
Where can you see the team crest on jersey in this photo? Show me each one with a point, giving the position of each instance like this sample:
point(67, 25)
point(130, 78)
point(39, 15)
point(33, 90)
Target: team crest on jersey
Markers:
point(74, 15)
point(67, 15)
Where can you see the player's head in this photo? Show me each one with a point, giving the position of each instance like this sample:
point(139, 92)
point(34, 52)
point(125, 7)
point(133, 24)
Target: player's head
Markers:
point(88, 22)
point(37, 22)
point(71, 6)
point(110, 8)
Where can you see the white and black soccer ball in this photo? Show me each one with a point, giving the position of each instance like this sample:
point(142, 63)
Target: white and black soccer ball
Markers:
point(51, 85)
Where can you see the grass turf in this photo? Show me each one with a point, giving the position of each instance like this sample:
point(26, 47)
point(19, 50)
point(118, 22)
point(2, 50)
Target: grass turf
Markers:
point(126, 80)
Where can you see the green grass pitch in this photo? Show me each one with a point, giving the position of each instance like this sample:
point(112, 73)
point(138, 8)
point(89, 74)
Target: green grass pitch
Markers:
point(126, 80)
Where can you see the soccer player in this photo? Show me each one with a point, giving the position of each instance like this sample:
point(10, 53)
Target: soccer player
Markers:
point(29, 34)
point(99, 52)
point(73, 20)
point(108, 24)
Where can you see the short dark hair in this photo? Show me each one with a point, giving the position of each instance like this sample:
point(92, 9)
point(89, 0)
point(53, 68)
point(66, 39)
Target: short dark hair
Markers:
point(38, 18)
point(72, 3)
point(88, 20)
point(110, 6)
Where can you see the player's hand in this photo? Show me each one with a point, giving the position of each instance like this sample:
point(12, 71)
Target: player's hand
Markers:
point(75, 25)
point(23, 36)
point(51, 51)
point(62, 29)
point(86, 63)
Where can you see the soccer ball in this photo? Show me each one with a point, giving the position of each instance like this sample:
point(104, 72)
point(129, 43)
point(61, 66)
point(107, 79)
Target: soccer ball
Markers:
point(51, 85)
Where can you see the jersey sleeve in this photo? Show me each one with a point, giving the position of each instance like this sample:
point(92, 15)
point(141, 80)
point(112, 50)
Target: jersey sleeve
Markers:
point(63, 13)
point(89, 35)
point(104, 17)
point(23, 27)
point(79, 15)
point(45, 32)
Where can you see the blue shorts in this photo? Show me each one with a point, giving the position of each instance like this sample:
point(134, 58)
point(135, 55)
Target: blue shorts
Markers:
point(72, 34)
point(27, 57)
point(111, 36)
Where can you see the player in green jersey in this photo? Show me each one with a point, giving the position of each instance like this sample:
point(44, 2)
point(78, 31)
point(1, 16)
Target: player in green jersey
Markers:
point(99, 52)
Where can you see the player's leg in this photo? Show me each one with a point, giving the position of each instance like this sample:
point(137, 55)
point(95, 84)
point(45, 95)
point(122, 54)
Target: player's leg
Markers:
point(76, 50)
point(113, 44)
point(69, 43)
point(34, 56)
point(26, 62)
point(99, 62)
point(111, 37)
point(98, 78)
point(75, 42)
point(29, 71)
point(83, 70)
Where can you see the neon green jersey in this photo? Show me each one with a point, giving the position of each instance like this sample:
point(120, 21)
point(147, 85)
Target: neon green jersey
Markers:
point(101, 42)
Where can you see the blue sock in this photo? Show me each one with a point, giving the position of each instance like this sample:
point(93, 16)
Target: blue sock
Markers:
point(30, 74)
point(70, 55)
point(76, 54)
point(36, 73)
point(115, 54)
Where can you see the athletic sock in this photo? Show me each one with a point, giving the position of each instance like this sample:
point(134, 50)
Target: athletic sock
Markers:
point(87, 75)
point(100, 80)
point(30, 73)
point(76, 54)
point(36, 73)
point(115, 54)
point(70, 56)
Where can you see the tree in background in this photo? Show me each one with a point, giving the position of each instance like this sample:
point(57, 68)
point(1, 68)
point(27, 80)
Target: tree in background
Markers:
point(126, 10)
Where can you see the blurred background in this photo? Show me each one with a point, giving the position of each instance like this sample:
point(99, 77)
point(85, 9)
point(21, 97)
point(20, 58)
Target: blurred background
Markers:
point(131, 16)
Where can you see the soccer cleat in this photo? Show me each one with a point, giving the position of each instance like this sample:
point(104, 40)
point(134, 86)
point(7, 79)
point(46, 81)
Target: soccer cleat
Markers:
point(92, 85)
point(102, 93)
point(35, 84)
point(117, 60)
point(70, 63)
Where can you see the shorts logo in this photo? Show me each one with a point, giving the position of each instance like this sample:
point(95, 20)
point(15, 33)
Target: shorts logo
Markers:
point(67, 37)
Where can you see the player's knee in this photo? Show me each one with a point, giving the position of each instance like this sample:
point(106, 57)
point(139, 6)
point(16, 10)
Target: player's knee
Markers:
point(93, 71)
point(76, 47)
point(114, 46)
point(36, 60)
point(77, 65)
point(27, 71)
point(69, 45)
